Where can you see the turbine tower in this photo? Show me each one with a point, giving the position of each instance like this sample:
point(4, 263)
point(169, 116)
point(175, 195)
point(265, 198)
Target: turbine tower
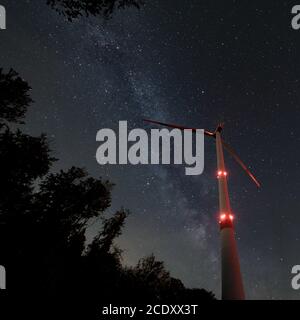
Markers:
point(232, 283)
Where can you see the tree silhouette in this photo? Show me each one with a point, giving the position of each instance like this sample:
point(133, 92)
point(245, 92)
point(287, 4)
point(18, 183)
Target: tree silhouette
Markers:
point(44, 218)
point(13, 106)
point(72, 9)
point(151, 282)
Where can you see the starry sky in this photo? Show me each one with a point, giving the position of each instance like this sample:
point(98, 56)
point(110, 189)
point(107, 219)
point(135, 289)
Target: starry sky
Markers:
point(188, 62)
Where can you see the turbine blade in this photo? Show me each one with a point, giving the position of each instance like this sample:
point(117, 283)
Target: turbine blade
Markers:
point(176, 126)
point(240, 162)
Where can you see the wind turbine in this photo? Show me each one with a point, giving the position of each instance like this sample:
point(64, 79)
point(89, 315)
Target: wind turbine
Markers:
point(232, 282)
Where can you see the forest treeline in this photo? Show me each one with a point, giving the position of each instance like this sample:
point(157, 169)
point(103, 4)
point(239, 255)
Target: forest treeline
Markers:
point(44, 217)
point(73, 9)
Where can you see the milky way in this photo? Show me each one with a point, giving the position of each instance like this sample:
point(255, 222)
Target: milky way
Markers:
point(192, 64)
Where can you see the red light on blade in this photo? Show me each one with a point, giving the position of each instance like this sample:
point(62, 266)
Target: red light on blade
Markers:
point(231, 217)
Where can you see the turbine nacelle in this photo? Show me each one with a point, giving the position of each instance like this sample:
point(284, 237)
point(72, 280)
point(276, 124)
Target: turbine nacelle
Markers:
point(219, 128)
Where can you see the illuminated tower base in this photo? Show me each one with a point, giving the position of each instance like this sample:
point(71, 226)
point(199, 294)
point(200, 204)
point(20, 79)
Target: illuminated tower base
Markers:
point(232, 285)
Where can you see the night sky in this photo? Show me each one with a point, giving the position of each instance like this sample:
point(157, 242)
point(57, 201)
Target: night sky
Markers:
point(188, 62)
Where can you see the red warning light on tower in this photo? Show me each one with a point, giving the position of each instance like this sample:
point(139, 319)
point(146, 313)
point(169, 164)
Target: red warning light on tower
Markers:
point(222, 174)
point(224, 217)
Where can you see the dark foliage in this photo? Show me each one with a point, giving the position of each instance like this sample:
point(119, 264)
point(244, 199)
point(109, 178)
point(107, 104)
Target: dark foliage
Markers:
point(43, 221)
point(13, 106)
point(73, 9)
